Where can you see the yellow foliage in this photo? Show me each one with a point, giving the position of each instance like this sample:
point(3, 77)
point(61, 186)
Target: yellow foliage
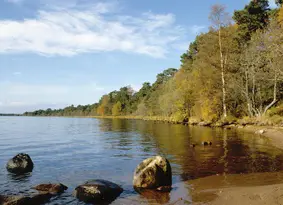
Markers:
point(116, 109)
point(280, 16)
point(101, 110)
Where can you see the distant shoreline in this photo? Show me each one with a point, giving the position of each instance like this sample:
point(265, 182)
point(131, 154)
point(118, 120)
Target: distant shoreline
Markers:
point(10, 114)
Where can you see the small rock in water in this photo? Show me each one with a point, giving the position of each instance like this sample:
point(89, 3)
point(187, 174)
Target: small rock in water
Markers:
point(206, 143)
point(51, 188)
point(20, 164)
point(98, 191)
point(152, 173)
point(260, 132)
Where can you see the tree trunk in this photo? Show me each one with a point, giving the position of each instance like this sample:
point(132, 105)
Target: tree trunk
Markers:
point(247, 93)
point(274, 95)
point(222, 74)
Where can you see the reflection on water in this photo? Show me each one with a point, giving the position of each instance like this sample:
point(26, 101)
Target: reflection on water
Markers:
point(71, 151)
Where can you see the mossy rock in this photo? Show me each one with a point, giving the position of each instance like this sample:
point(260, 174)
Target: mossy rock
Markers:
point(20, 164)
point(98, 191)
point(153, 173)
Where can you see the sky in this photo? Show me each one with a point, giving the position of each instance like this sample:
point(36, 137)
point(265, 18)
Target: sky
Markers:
point(55, 53)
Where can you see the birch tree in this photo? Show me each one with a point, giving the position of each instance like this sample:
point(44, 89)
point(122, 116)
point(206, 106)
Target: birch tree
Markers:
point(220, 19)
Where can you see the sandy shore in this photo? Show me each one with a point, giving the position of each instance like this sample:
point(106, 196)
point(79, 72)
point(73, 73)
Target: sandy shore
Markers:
point(275, 134)
point(248, 189)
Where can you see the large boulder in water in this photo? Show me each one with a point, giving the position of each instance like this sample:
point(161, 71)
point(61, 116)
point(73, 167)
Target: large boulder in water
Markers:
point(20, 164)
point(96, 191)
point(153, 173)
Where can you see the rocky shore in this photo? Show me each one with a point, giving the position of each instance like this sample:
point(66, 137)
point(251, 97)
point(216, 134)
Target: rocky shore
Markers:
point(152, 174)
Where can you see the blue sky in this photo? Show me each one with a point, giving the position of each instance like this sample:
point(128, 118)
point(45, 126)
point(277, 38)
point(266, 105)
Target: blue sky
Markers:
point(72, 52)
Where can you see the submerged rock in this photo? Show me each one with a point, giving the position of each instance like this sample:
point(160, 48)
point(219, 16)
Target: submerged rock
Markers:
point(51, 188)
point(14, 200)
point(20, 164)
point(98, 191)
point(47, 192)
point(152, 173)
point(39, 199)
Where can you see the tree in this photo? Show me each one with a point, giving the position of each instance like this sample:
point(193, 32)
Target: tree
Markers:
point(279, 2)
point(116, 109)
point(262, 63)
point(220, 19)
point(103, 107)
point(253, 17)
point(280, 16)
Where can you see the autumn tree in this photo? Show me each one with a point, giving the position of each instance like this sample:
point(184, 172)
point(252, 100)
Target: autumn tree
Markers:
point(103, 107)
point(220, 19)
point(116, 109)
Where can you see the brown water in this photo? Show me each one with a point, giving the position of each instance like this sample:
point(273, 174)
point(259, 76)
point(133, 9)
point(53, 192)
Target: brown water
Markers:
point(73, 150)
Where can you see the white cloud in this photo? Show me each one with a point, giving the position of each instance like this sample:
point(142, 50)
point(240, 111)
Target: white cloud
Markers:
point(69, 31)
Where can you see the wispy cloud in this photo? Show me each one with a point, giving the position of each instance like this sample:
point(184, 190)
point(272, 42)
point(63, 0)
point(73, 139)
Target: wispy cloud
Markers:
point(14, 1)
point(17, 73)
point(97, 28)
point(196, 29)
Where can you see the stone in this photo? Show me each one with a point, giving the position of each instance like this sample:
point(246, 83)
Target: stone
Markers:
point(152, 173)
point(20, 164)
point(260, 132)
point(206, 124)
point(14, 200)
point(51, 188)
point(41, 198)
point(98, 191)
point(206, 143)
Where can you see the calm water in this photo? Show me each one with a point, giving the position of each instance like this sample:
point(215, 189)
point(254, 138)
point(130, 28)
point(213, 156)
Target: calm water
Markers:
point(74, 150)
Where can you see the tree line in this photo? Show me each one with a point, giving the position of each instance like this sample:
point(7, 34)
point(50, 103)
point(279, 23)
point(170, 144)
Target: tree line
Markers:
point(234, 70)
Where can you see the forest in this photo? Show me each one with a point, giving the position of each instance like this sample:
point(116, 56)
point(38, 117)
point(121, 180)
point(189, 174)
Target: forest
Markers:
point(233, 71)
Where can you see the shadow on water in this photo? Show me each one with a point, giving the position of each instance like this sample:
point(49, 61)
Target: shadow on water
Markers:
point(19, 177)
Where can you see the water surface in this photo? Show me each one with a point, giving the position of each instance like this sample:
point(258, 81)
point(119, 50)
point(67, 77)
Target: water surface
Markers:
point(74, 150)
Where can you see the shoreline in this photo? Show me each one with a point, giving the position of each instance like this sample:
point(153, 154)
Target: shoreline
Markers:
point(241, 189)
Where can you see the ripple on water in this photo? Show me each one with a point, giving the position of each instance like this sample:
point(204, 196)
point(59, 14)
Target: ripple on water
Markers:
point(74, 150)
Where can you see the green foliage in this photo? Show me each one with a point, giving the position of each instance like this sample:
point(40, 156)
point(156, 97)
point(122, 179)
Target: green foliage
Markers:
point(278, 110)
point(253, 17)
point(279, 2)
